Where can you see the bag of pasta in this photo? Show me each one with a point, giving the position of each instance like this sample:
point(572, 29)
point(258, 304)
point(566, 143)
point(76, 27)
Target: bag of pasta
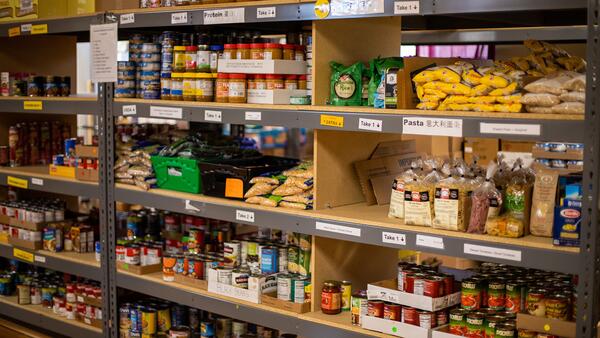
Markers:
point(418, 197)
point(486, 202)
point(450, 197)
point(517, 200)
point(397, 198)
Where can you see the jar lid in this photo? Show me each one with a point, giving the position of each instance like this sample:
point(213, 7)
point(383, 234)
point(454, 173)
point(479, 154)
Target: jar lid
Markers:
point(189, 75)
point(291, 77)
point(243, 45)
point(179, 48)
point(301, 77)
point(230, 46)
point(223, 76)
point(331, 283)
point(257, 45)
point(289, 46)
point(237, 76)
point(216, 47)
point(204, 76)
point(272, 45)
point(191, 49)
point(173, 75)
point(274, 76)
point(259, 76)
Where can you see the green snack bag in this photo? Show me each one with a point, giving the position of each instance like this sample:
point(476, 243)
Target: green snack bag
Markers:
point(378, 68)
point(346, 84)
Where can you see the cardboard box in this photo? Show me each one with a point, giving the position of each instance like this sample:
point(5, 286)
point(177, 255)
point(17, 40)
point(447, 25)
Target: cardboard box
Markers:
point(449, 261)
point(20, 243)
point(107, 5)
point(386, 291)
point(22, 224)
point(570, 154)
point(485, 149)
point(393, 327)
point(252, 296)
point(543, 202)
point(262, 66)
point(79, 7)
point(442, 332)
point(53, 8)
point(194, 282)
point(62, 171)
point(89, 321)
point(26, 9)
point(272, 300)
point(391, 148)
point(273, 96)
point(139, 269)
point(517, 146)
point(89, 300)
point(86, 151)
point(567, 223)
point(7, 10)
point(90, 175)
point(546, 325)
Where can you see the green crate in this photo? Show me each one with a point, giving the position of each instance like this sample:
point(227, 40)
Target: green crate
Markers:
point(177, 173)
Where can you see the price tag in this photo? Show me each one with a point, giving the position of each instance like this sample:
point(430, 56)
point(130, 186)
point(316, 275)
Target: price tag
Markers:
point(244, 216)
point(393, 238)
point(37, 181)
point(166, 112)
point(130, 109)
point(354, 7)
point(212, 115)
point(179, 18)
point(253, 116)
point(23, 255)
point(430, 241)
point(16, 182)
point(228, 15)
point(33, 105)
point(332, 121)
point(370, 124)
point(26, 28)
point(266, 12)
point(126, 19)
point(510, 129)
point(14, 31)
point(340, 229)
point(406, 7)
point(489, 251)
point(432, 126)
point(39, 29)
point(39, 259)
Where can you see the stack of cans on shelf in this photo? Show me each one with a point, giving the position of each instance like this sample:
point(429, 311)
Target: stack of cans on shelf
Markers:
point(135, 55)
point(125, 79)
point(149, 70)
point(166, 68)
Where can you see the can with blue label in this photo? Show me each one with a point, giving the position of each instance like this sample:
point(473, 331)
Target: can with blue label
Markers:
point(269, 260)
point(58, 159)
point(135, 315)
point(207, 329)
point(70, 146)
point(179, 315)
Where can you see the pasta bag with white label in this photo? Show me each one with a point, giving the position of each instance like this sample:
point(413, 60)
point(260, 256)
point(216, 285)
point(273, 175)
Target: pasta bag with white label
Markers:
point(418, 197)
point(450, 198)
point(397, 199)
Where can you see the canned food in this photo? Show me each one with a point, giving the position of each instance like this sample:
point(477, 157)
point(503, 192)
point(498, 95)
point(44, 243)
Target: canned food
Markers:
point(470, 297)
point(359, 307)
point(239, 278)
point(475, 325)
point(441, 317)
point(392, 311)
point(410, 315)
point(194, 319)
point(223, 327)
point(557, 306)
point(224, 275)
point(163, 318)
point(207, 329)
point(284, 287)
point(283, 258)
point(238, 329)
point(535, 302)
point(179, 332)
point(231, 251)
point(490, 323)
point(426, 319)
point(496, 295)
point(346, 295)
point(149, 321)
point(299, 284)
point(375, 308)
point(514, 296)
point(505, 331)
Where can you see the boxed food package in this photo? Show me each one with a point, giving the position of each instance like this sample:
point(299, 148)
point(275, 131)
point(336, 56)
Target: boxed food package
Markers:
point(26, 9)
point(567, 223)
point(7, 10)
point(79, 7)
point(543, 202)
point(107, 5)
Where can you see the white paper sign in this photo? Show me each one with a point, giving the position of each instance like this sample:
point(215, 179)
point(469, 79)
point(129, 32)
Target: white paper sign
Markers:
point(228, 15)
point(37, 181)
point(244, 216)
point(130, 109)
point(488, 251)
point(432, 126)
point(393, 238)
point(127, 19)
point(430, 241)
point(356, 7)
point(212, 115)
point(340, 229)
point(103, 42)
point(510, 129)
point(166, 112)
point(26, 28)
point(179, 18)
point(370, 124)
point(40, 259)
point(406, 7)
point(253, 116)
point(266, 12)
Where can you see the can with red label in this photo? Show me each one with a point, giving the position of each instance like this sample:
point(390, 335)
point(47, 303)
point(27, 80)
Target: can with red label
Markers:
point(419, 283)
point(375, 308)
point(120, 252)
point(392, 311)
point(426, 319)
point(410, 315)
point(441, 317)
point(433, 286)
point(132, 254)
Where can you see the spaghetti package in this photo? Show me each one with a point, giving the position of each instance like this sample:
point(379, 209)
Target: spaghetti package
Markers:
point(486, 202)
point(398, 188)
point(419, 196)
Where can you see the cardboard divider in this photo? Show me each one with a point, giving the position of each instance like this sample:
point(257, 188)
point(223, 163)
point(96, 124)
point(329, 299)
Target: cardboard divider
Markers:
point(262, 66)
point(189, 281)
point(89, 300)
point(442, 332)
point(20, 243)
point(139, 269)
point(394, 328)
point(22, 224)
point(556, 327)
point(271, 299)
point(252, 296)
point(386, 291)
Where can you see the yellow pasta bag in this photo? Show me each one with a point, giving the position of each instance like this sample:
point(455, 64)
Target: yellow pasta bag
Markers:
point(456, 99)
point(435, 92)
point(472, 77)
point(495, 80)
point(427, 75)
point(457, 89)
point(460, 107)
point(442, 107)
point(521, 63)
point(420, 92)
point(508, 108)
point(434, 85)
point(430, 98)
point(449, 74)
point(480, 90)
point(427, 105)
point(482, 99)
point(483, 107)
point(508, 99)
point(508, 90)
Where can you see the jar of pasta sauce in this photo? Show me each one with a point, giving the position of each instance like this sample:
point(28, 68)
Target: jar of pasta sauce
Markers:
point(331, 297)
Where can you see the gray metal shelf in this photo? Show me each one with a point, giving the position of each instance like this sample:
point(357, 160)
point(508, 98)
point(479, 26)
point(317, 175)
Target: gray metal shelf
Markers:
point(321, 225)
point(42, 105)
point(472, 126)
point(54, 262)
point(74, 24)
point(286, 323)
point(59, 186)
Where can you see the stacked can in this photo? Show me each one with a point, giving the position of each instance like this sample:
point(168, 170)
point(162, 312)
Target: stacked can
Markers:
point(135, 55)
point(149, 70)
point(125, 79)
point(166, 67)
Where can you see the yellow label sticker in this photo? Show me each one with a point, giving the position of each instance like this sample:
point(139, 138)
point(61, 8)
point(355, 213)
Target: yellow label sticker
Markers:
point(32, 105)
point(16, 182)
point(14, 31)
point(39, 29)
point(332, 121)
point(322, 9)
point(23, 255)
point(546, 327)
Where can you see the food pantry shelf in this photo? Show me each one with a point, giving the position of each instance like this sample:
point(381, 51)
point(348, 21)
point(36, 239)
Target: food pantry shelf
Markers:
point(77, 104)
point(81, 264)
point(365, 224)
point(38, 178)
point(521, 126)
point(306, 325)
point(72, 24)
point(39, 316)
